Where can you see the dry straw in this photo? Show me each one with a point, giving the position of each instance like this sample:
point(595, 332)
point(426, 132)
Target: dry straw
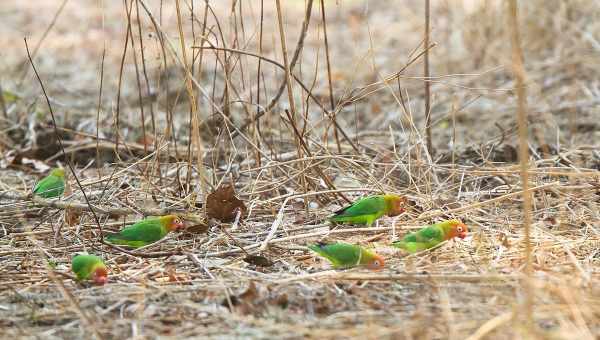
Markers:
point(305, 106)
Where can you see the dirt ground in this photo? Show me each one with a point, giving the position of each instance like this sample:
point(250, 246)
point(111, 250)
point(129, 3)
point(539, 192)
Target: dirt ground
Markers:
point(211, 119)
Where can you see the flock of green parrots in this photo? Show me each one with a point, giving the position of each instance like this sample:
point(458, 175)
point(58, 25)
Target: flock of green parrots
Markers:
point(366, 211)
point(341, 255)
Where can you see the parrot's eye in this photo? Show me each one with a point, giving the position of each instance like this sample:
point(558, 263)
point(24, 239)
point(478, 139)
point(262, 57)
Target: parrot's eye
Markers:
point(376, 262)
point(459, 229)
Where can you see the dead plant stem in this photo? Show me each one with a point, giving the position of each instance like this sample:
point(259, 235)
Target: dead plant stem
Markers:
point(519, 74)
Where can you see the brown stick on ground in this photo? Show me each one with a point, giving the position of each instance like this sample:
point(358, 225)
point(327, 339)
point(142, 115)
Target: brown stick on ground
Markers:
point(427, 83)
point(519, 74)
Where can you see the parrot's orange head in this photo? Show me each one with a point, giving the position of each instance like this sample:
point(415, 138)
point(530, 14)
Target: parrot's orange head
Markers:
point(376, 263)
point(174, 222)
point(100, 275)
point(396, 204)
point(456, 229)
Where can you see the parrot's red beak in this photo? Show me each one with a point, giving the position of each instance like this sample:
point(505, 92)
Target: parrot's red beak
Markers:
point(177, 224)
point(100, 276)
point(398, 207)
point(101, 280)
point(462, 231)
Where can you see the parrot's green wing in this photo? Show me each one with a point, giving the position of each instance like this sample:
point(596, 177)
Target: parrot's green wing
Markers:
point(411, 247)
point(83, 265)
point(50, 187)
point(427, 234)
point(365, 211)
point(425, 238)
point(365, 206)
point(341, 255)
point(139, 234)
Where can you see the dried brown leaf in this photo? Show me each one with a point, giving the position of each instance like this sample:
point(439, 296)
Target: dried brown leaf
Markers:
point(258, 260)
point(504, 240)
point(200, 228)
point(223, 205)
point(244, 302)
point(72, 217)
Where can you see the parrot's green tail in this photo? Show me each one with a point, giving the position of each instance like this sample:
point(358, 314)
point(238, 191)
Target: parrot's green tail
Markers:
point(337, 219)
point(411, 247)
point(360, 219)
point(114, 239)
point(319, 248)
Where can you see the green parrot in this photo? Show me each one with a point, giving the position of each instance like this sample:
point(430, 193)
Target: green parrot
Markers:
point(89, 267)
point(367, 210)
point(146, 231)
point(344, 255)
point(52, 185)
point(432, 235)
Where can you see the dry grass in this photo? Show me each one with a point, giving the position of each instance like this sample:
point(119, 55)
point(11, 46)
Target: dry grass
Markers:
point(354, 125)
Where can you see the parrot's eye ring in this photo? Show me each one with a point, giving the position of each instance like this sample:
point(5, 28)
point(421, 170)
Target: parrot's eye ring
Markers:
point(459, 229)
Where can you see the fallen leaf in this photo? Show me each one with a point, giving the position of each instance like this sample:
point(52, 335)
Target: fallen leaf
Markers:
point(223, 205)
point(504, 241)
point(173, 277)
point(148, 140)
point(550, 222)
point(258, 260)
point(201, 228)
point(244, 302)
point(249, 294)
point(281, 301)
point(72, 217)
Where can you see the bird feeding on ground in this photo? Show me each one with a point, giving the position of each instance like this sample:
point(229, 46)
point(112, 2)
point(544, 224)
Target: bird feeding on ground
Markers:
point(52, 185)
point(146, 231)
point(432, 235)
point(89, 267)
point(367, 210)
point(344, 255)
